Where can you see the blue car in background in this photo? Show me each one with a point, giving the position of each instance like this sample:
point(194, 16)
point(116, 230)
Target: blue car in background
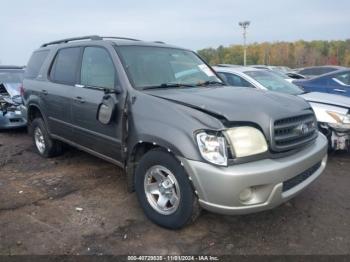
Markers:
point(337, 82)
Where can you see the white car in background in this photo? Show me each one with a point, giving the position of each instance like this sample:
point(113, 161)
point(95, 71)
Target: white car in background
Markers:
point(332, 111)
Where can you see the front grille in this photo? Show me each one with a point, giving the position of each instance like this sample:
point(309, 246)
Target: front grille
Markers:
point(293, 132)
point(294, 181)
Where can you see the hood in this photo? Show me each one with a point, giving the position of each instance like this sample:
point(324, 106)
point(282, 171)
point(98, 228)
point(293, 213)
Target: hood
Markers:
point(10, 93)
point(13, 89)
point(329, 99)
point(236, 104)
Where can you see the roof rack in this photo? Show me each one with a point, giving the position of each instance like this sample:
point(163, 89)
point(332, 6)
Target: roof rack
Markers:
point(11, 67)
point(121, 38)
point(89, 37)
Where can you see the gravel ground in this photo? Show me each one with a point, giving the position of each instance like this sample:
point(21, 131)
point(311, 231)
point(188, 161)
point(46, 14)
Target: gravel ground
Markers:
point(78, 204)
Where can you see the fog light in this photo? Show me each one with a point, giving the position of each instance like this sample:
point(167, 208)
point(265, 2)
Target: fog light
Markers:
point(246, 194)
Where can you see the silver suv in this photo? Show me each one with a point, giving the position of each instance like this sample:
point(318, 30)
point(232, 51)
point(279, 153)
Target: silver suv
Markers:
point(185, 140)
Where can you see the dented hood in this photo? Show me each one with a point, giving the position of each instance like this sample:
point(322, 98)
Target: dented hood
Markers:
point(236, 104)
point(13, 89)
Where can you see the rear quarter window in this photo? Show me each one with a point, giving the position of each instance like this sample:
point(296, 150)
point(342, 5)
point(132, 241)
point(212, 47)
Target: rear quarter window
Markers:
point(35, 63)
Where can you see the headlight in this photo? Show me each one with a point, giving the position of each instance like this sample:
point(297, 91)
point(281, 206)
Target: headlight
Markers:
point(212, 148)
point(246, 141)
point(342, 120)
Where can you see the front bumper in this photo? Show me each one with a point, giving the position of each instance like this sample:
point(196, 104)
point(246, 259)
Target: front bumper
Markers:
point(219, 188)
point(12, 119)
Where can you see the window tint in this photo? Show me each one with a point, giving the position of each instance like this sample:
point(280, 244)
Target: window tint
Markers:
point(235, 80)
point(344, 78)
point(97, 68)
point(65, 66)
point(35, 62)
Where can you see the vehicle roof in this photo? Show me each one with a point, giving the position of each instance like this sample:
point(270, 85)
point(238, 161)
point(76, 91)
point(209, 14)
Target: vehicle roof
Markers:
point(330, 73)
point(240, 69)
point(11, 67)
point(94, 39)
point(311, 67)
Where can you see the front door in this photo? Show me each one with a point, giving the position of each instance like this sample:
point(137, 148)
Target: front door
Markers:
point(97, 78)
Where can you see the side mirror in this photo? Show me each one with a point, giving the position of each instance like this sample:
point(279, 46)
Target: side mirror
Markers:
point(107, 109)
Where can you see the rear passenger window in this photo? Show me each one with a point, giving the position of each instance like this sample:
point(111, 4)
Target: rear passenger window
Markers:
point(65, 67)
point(97, 68)
point(34, 65)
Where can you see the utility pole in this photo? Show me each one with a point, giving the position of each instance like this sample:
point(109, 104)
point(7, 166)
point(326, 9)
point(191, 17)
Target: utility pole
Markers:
point(244, 26)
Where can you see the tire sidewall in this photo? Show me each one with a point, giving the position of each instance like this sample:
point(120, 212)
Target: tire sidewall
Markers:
point(39, 123)
point(184, 212)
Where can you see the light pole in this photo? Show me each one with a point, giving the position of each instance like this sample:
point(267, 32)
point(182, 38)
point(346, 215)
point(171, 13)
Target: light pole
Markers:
point(244, 26)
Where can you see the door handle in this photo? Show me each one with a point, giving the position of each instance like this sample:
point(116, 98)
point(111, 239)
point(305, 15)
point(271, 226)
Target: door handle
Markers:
point(79, 99)
point(44, 91)
point(340, 90)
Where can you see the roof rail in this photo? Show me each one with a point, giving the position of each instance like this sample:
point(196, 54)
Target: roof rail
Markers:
point(121, 38)
point(89, 37)
point(11, 67)
point(159, 42)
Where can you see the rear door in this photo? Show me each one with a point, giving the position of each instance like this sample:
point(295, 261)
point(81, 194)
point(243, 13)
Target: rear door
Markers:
point(98, 76)
point(59, 92)
point(339, 84)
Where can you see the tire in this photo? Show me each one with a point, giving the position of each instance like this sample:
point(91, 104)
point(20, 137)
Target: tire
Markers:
point(39, 133)
point(175, 214)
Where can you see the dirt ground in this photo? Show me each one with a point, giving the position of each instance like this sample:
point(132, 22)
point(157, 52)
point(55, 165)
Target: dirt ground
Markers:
point(39, 200)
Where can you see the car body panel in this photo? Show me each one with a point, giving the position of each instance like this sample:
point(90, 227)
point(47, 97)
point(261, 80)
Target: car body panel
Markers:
point(326, 83)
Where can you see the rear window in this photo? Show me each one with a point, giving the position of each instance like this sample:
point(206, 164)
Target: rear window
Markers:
point(65, 67)
point(35, 62)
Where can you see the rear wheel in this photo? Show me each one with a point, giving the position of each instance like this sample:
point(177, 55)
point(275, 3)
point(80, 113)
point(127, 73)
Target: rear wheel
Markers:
point(164, 190)
point(45, 146)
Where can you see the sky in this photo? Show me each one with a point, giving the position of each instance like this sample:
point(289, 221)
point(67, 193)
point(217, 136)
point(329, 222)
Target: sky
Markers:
point(195, 24)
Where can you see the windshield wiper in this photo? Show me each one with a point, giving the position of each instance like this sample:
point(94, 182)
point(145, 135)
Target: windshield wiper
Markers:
point(210, 82)
point(167, 85)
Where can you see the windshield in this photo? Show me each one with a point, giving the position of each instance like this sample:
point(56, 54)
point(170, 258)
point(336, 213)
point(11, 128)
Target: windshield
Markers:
point(11, 76)
point(273, 82)
point(165, 67)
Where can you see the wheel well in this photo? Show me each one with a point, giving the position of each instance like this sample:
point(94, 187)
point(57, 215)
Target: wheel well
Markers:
point(138, 151)
point(33, 112)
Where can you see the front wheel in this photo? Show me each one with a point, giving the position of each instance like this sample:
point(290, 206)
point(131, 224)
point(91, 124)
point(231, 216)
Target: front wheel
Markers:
point(164, 190)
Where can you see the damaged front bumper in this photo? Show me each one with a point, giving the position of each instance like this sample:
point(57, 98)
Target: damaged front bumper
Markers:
point(339, 138)
point(268, 182)
point(12, 119)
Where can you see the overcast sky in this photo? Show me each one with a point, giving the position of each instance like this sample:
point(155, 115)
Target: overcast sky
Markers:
point(193, 24)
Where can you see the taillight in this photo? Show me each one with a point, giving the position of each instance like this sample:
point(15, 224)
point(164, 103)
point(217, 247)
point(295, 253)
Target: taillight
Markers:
point(21, 90)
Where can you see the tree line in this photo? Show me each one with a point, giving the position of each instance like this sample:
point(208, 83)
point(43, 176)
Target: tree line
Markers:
point(292, 54)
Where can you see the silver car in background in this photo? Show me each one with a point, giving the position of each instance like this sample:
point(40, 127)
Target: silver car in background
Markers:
point(332, 111)
point(11, 78)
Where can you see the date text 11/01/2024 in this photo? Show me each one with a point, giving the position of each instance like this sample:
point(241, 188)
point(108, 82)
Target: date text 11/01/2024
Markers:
point(173, 258)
